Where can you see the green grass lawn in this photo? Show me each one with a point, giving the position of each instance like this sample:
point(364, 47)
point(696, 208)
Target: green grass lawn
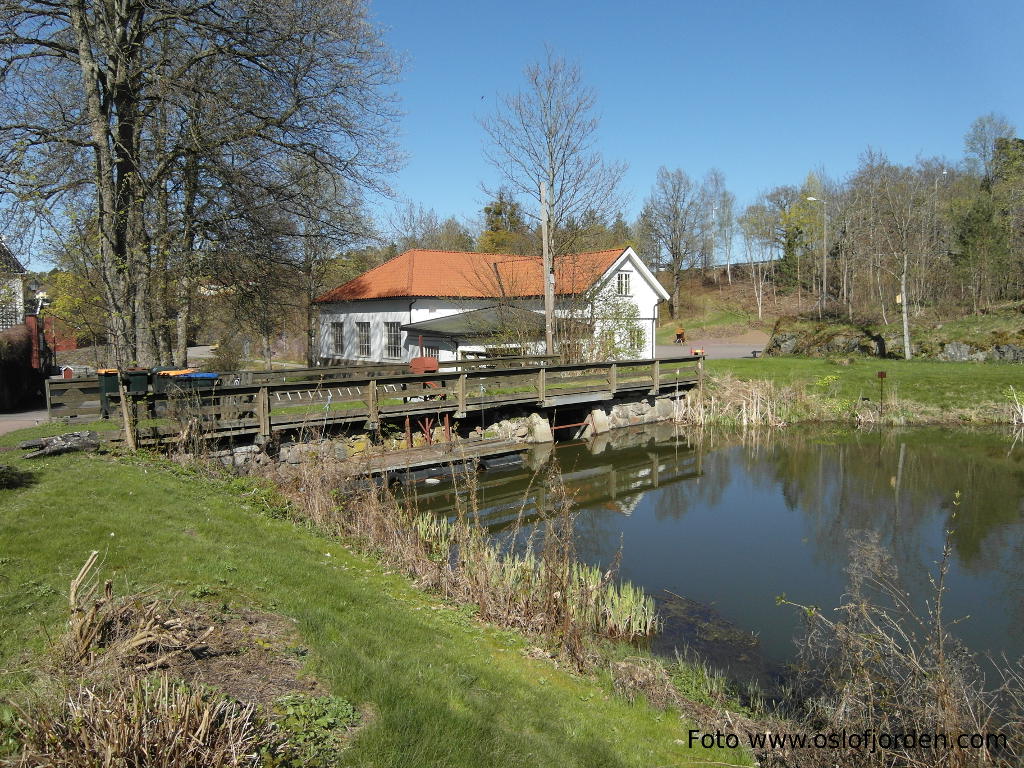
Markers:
point(440, 689)
point(928, 382)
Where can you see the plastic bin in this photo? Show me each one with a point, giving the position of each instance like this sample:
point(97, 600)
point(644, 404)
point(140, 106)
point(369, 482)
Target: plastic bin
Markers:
point(108, 378)
point(137, 381)
point(196, 380)
point(164, 377)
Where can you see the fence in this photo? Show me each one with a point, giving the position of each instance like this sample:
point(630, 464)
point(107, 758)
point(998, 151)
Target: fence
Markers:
point(341, 397)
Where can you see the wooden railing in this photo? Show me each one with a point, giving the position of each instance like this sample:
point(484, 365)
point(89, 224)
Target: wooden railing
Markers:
point(268, 407)
point(73, 398)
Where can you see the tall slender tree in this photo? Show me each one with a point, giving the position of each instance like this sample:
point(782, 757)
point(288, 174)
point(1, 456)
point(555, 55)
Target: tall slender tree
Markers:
point(542, 140)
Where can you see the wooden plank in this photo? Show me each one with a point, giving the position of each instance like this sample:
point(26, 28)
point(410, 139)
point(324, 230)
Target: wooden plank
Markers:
point(263, 412)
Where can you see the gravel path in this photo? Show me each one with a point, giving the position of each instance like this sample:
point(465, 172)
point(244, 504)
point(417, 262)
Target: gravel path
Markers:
point(20, 420)
point(728, 347)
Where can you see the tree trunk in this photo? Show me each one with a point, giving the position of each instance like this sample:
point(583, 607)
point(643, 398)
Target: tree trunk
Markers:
point(905, 310)
point(181, 333)
point(675, 294)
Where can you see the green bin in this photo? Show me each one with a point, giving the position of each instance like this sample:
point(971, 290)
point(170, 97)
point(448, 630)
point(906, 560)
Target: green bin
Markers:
point(108, 378)
point(137, 381)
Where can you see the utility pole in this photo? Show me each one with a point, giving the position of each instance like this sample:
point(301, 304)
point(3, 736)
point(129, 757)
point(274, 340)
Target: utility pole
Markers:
point(549, 271)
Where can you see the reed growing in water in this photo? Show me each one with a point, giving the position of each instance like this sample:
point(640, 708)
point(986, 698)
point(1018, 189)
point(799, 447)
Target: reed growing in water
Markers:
point(533, 582)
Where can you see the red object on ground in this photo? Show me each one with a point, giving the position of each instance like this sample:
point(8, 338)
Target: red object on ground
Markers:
point(423, 365)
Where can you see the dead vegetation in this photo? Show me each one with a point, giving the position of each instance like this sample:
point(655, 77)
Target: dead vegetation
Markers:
point(136, 681)
point(726, 401)
point(528, 581)
point(885, 666)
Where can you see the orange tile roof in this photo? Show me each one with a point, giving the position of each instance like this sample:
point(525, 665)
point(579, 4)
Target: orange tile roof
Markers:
point(464, 274)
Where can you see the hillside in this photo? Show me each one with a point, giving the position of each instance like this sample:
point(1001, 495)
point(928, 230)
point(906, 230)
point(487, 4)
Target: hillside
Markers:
point(996, 334)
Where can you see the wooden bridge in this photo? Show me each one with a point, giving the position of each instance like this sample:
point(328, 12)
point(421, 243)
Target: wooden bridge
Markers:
point(321, 398)
point(592, 481)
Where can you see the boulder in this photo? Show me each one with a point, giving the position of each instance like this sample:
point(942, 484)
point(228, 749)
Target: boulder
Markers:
point(540, 429)
point(781, 344)
point(956, 351)
point(1013, 353)
point(664, 409)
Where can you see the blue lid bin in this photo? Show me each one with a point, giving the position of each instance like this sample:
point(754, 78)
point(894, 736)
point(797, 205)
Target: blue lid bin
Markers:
point(197, 380)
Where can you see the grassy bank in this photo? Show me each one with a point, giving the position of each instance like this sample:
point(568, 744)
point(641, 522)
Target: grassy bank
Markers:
point(443, 688)
point(915, 390)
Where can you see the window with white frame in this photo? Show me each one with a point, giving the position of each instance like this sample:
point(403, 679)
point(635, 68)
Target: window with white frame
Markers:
point(622, 284)
point(637, 338)
point(8, 315)
point(363, 339)
point(338, 338)
point(393, 333)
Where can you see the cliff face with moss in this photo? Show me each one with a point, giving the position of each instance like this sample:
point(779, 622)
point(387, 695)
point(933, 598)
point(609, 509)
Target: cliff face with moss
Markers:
point(993, 336)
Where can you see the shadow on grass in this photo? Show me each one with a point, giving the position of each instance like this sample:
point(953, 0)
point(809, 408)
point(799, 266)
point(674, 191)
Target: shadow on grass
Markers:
point(12, 477)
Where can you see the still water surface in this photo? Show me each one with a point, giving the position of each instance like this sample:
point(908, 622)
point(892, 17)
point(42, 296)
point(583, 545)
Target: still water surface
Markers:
point(717, 528)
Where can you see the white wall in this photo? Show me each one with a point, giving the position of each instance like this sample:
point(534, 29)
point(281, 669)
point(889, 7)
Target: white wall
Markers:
point(377, 312)
point(12, 297)
point(644, 292)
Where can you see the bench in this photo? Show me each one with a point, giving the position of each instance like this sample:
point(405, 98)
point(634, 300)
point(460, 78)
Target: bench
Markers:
point(755, 352)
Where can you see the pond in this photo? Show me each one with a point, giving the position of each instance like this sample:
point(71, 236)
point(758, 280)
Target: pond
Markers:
point(717, 527)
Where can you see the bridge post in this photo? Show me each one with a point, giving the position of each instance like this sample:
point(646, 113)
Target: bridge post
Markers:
point(461, 393)
point(263, 411)
point(656, 377)
point(542, 381)
point(371, 403)
point(613, 378)
point(700, 375)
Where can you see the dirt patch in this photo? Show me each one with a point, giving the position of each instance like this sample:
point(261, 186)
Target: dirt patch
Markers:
point(251, 655)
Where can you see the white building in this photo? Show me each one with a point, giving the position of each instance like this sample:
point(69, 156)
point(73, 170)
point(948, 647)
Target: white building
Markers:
point(12, 297)
point(445, 304)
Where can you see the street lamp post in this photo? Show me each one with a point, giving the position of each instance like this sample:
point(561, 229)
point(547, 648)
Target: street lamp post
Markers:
point(824, 254)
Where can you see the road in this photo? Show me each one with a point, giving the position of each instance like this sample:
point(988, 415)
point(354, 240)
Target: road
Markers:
point(730, 347)
point(20, 420)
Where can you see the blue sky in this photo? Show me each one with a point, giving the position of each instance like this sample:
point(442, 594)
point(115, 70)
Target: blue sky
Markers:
point(765, 91)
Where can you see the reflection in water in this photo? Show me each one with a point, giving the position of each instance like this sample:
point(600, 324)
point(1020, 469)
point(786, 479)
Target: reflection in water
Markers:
point(727, 523)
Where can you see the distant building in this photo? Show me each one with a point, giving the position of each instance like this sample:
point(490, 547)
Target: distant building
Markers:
point(12, 296)
point(447, 304)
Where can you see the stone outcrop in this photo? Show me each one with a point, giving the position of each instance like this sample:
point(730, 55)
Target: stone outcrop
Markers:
point(960, 352)
point(827, 340)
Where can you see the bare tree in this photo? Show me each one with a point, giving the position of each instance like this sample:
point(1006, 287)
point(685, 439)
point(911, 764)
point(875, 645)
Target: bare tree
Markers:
point(673, 218)
point(757, 224)
point(897, 204)
point(980, 142)
point(542, 141)
point(113, 99)
point(413, 226)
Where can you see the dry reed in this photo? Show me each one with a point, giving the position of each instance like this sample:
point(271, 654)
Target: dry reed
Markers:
point(150, 722)
point(530, 582)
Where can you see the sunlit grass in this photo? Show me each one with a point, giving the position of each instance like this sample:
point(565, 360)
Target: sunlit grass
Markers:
point(442, 689)
point(928, 382)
